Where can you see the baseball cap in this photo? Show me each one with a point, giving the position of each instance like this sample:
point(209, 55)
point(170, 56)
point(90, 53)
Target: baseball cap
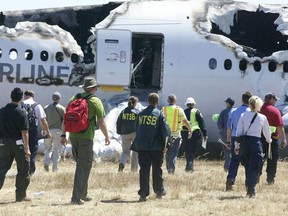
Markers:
point(271, 95)
point(230, 101)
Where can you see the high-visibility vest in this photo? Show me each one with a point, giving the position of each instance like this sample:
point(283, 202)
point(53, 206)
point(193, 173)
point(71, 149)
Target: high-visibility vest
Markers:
point(193, 122)
point(172, 117)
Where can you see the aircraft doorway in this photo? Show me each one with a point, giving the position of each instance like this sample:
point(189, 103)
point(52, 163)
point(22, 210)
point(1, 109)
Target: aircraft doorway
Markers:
point(147, 62)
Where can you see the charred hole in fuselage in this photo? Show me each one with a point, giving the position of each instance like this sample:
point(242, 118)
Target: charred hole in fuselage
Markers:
point(245, 32)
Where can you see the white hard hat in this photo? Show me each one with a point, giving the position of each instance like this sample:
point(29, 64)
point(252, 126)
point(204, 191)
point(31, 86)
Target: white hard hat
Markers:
point(190, 100)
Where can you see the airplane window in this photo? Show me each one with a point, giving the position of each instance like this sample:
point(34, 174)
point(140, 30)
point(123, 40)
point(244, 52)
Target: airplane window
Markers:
point(272, 66)
point(227, 64)
point(59, 57)
point(28, 54)
point(212, 63)
point(257, 66)
point(74, 58)
point(243, 65)
point(13, 54)
point(285, 66)
point(44, 55)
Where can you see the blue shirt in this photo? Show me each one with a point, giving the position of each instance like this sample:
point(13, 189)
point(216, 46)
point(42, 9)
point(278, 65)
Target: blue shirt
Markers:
point(222, 122)
point(235, 116)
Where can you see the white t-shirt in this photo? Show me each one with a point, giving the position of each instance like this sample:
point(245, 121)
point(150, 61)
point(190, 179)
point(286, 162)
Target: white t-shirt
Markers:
point(259, 125)
point(39, 111)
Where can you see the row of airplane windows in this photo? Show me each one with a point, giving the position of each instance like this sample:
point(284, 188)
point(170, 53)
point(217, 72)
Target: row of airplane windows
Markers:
point(272, 65)
point(44, 55)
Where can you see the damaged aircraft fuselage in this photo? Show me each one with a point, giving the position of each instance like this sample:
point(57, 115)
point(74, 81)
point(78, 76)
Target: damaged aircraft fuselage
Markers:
point(205, 49)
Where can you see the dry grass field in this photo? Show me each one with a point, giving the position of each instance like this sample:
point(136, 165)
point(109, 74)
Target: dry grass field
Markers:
point(200, 193)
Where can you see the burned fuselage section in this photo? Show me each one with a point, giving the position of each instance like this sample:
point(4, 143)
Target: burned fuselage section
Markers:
point(253, 32)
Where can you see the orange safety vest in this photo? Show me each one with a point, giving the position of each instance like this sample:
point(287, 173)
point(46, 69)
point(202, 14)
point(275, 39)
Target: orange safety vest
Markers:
point(172, 117)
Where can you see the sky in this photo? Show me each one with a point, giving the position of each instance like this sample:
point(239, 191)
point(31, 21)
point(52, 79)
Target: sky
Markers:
point(36, 4)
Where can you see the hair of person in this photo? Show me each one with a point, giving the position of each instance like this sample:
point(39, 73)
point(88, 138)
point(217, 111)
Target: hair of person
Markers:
point(255, 103)
point(16, 94)
point(132, 101)
point(190, 105)
point(29, 93)
point(246, 96)
point(153, 99)
point(90, 89)
point(172, 99)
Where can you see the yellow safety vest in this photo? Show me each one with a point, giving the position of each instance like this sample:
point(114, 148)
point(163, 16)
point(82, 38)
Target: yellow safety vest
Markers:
point(193, 122)
point(172, 117)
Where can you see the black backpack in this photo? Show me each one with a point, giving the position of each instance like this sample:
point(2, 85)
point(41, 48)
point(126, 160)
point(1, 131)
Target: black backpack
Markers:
point(30, 110)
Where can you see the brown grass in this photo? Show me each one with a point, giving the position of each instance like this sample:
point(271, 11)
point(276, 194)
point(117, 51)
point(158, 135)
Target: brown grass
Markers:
point(113, 193)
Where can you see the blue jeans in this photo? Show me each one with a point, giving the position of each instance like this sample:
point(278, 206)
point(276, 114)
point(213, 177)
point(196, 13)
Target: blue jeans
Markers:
point(252, 158)
point(234, 163)
point(172, 153)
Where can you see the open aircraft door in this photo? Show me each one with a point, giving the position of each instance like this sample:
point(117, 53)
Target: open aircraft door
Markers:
point(113, 58)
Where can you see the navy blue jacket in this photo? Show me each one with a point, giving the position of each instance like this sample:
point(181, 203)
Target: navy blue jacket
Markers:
point(151, 130)
point(126, 121)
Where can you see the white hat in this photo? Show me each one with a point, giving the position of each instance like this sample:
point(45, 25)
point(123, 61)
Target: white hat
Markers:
point(190, 100)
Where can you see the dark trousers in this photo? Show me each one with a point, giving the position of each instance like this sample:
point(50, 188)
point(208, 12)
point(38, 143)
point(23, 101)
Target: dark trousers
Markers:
point(146, 159)
point(191, 148)
point(172, 153)
point(8, 152)
point(234, 163)
point(271, 168)
point(252, 159)
point(82, 150)
point(33, 146)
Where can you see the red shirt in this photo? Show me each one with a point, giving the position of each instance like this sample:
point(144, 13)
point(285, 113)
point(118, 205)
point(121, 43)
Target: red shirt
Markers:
point(273, 115)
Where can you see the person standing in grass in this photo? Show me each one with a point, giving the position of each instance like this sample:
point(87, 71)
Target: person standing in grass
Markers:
point(125, 126)
point(82, 142)
point(222, 126)
point(251, 125)
point(53, 146)
point(231, 137)
point(152, 133)
point(14, 143)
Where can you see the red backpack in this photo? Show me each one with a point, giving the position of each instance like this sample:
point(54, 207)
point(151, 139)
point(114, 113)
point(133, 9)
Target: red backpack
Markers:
point(76, 116)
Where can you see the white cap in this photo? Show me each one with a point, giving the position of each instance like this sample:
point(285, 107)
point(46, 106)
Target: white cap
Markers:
point(190, 100)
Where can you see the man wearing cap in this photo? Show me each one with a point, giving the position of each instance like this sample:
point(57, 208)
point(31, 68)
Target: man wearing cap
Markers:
point(33, 132)
point(175, 116)
point(53, 146)
point(82, 142)
point(197, 125)
point(232, 122)
point(275, 120)
point(222, 126)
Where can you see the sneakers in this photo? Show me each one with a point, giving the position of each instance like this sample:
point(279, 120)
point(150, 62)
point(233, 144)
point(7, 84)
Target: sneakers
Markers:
point(159, 195)
point(86, 199)
point(229, 185)
point(46, 167)
point(142, 199)
point(76, 202)
point(121, 167)
point(25, 199)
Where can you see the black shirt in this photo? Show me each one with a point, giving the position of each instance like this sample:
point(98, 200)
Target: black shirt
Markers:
point(13, 120)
